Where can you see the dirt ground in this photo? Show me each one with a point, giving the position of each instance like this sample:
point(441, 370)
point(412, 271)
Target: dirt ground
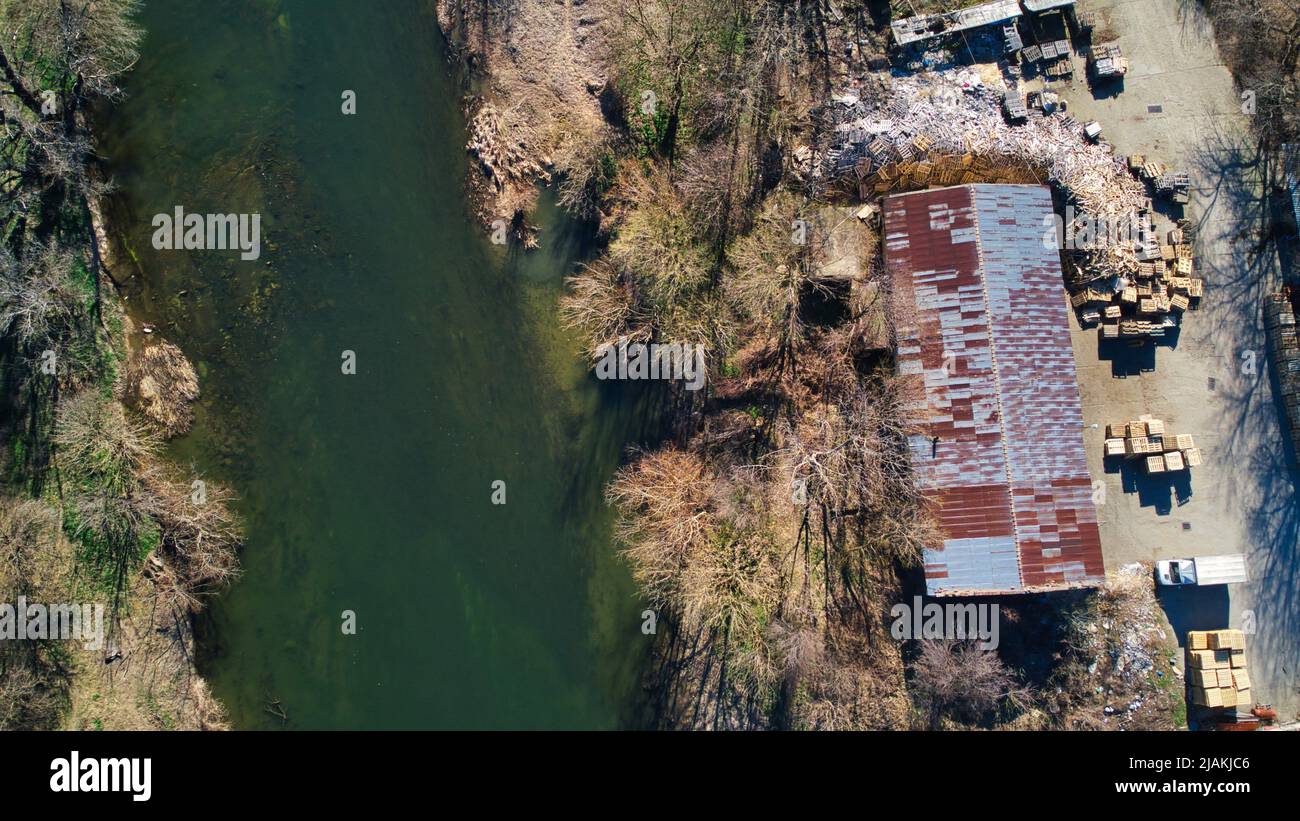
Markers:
point(1214, 379)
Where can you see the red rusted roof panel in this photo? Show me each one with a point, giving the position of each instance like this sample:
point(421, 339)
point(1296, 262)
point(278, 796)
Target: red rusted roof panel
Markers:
point(983, 330)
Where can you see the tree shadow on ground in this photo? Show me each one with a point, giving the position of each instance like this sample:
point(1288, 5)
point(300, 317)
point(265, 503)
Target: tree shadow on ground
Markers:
point(1238, 257)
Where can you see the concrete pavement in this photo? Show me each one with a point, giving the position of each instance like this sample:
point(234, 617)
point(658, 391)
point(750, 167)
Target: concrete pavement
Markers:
point(1178, 104)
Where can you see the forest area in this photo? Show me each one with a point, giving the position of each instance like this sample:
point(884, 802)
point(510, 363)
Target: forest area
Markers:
point(1260, 39)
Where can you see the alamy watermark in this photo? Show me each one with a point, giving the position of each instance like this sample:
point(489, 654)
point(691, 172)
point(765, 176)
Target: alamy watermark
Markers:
point(1079, 231)
point(77, 622)
point(180, 231)
point(945, 621)
point(125, 775)
point(652, 361)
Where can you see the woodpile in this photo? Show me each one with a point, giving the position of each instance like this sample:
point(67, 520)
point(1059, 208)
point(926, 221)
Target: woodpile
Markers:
point(1284, 347)
point(1148, 302)
point(1106, 61)
point(1147, 440)
point(954, 116)
point(1217, 670)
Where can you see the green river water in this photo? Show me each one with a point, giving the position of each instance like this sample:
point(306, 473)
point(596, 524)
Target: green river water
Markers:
point(372, 492)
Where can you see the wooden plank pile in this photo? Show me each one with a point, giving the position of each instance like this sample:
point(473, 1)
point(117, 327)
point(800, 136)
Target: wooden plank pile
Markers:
point(1014, 106)
point(954, 114)
point(1147, 440)
point(1217, 670)
point(1106, 61)
point(1176, 186)
point(1149, 302)
point(1284, 347)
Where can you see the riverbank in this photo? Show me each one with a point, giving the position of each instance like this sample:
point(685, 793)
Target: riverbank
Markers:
point(534, 73)
point(750, 531)
point(778, 529)
point(106, 548)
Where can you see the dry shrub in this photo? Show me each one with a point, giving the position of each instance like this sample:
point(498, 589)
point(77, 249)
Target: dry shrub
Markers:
point(957, 681)
point(200, 536)
point(33, 553)
point(586, 168)
point(717, 573)
point(35, 561)
point(161, 383)
point(98, 445)
point(665, 516)
point(770, 273)
point(599, 303)
point(729, 584)
point(714, 180)
point(657, 242)
point(33, 694)
point(858, 682)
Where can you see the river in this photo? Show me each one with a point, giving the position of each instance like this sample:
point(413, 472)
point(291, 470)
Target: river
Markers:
point(372, 492)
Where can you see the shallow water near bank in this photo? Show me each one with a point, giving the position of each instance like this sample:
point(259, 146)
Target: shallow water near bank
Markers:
point(371, 492)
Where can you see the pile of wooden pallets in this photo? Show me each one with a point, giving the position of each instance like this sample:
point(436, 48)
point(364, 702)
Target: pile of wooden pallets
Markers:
point(1013, 104)
point(1216, 669)
point(1106, 61)
point(1150, 302)
point(1176, 186)
point(1284, 346)
point(1054, 56)
point(1148, 441)
point(935, 171)
point(875, 128)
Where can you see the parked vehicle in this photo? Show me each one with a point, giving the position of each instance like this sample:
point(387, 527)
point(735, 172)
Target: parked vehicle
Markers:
point(1202, 571)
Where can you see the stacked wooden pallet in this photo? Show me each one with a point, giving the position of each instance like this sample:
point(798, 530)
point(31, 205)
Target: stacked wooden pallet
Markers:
point(1284, 348)
point(1149, 302)
point(1216, 669)
point(1147, 440)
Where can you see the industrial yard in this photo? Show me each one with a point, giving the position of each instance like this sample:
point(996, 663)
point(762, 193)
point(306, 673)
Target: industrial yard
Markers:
point(1214, 380)
point(1184, 430)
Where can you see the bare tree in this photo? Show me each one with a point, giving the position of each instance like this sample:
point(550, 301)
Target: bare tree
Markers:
point(960, 681)
point(664, 501)
point(55, 57)
point(200, 535)
point(600, 303)
point(39, 306)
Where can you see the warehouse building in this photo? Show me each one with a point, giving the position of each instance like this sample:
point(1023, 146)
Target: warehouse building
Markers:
point(983, 333)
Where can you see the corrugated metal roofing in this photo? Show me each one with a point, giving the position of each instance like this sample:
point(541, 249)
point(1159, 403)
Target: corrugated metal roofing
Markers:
point(1044, 5)
point(982, 324)
point(925, 26)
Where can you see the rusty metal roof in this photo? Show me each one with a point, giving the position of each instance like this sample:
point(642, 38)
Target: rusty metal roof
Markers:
point(925, 26)
point(982, 327)
point(1046, 5)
